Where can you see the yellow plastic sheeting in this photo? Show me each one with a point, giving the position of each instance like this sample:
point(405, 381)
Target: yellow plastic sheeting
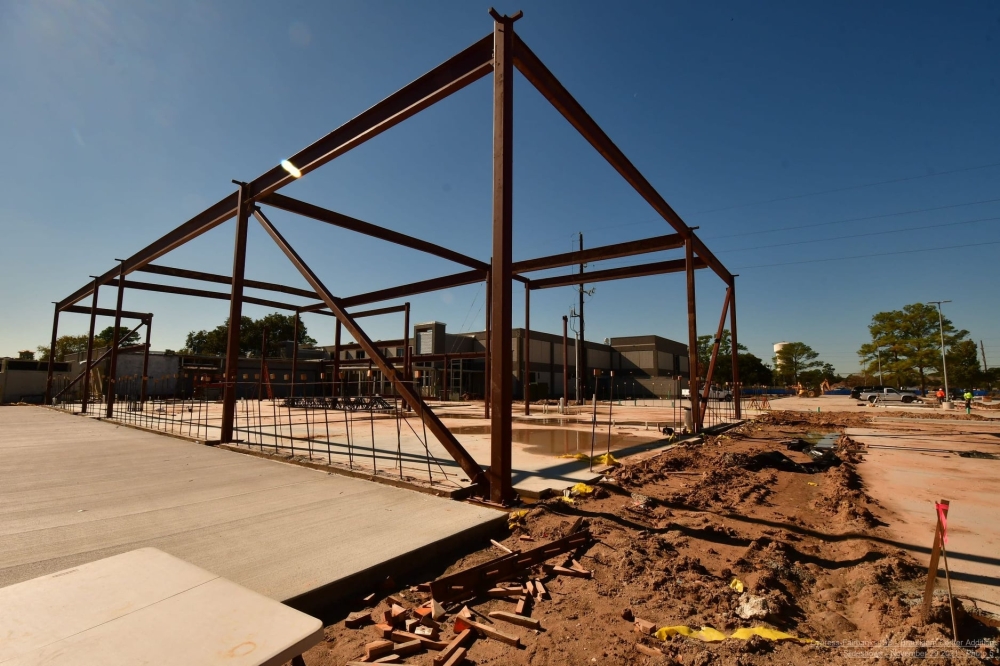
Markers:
point(710, 635)
point(582, 489)
point(576, 456)
point(567, 500)
point(607, 459)
point(737, 585)
point(515, 518)
point(768, 633)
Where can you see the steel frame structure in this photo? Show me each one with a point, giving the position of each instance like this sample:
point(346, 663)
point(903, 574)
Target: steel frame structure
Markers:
point(499, 54)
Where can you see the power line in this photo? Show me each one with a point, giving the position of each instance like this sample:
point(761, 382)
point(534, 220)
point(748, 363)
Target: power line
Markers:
point(852, 219)
point(871, 233)
point(868, 256)
point(847, 189)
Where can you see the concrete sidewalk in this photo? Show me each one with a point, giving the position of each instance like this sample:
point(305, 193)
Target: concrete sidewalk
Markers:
point(76, 490)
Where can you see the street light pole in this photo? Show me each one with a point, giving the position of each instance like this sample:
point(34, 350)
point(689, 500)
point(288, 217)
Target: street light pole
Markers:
point(944, 364)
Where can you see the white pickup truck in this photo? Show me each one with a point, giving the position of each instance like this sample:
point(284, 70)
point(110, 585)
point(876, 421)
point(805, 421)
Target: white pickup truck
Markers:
point(713, 394)
point(888, 395)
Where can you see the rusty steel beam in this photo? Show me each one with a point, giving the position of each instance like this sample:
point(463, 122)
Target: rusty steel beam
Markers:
point(402, 291)
point(412, 398)
point(217, 295)
point(526, 384)
point(631, 248)
point(113, 365)
point(291, 205)
point(449, 77)
point(52, 356)
point(501, 384)
point(692, 337)
point(145, 359)
point(382, 311)
point(735, 344)
point(706, 391)
point(103, 312)
point(545, 81)
point(235, 315)
point(642, 270)
point(565, 361)
point(406, 342)
point(90, 347)
point(487, 347)
point(431, 358)
point(223, 279)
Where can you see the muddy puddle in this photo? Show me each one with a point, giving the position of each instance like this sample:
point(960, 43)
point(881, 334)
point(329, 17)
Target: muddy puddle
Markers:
point(552, 442)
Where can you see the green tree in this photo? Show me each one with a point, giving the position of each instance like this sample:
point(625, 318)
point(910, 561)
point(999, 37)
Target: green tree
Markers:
point(752, 369)
point(963, 365)
point(793, 359)
point(106, 337)
point(909, 343)
point(280, 328)
point(65, 344)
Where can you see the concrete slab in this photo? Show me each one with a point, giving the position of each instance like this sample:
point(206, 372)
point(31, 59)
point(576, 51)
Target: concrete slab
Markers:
point(77, 490)
point(909, 466)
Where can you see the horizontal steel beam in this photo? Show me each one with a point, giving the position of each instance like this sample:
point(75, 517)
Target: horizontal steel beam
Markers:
point(642, 270)
point(102, 312)
point(223, 279)
point(451, 76)
point(359, 226)
point(628, 249)
point(201, 293)
point(351, 346)
point(545, 81)
point(402, 291)
point(432, 358)
point(381, 311)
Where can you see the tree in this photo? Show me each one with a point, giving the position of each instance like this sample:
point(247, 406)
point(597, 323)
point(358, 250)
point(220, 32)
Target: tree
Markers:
point(280, 328)
point(65, 344)
point(752, 369)
point(106, 337)
point(793, 359)
point(909, 343)
point(963, 365)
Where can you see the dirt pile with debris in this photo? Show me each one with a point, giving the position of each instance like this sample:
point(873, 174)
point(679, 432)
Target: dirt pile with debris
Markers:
point(741, 550)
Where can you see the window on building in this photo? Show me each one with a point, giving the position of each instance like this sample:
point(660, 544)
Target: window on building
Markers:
point(302, 377)
point(246, 376)
point(256, 375)
point(359, 354)
point(399, 352)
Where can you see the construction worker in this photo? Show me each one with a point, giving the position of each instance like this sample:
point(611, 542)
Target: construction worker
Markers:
point(968, 401)
point(940, 395)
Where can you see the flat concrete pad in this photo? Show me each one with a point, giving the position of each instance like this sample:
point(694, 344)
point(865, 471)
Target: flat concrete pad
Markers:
point(909, 466)
point(77, 490)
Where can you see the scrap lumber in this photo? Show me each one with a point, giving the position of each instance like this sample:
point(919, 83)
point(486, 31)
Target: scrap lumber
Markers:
point(522, 606)
point(649, 651)
point(377, 649)
point(408, 648)
point(385, 629)
point(437, 610)
point(456, 643)
point(501, 546)
point(501, 592)
point(457, 657)
point(563, 571)
point(429, 643)
point(645, 626)
point(461, 624)
point(476, 580)
point(513, 618)
point(389, 659)
point(358, 619)
point(540, 591)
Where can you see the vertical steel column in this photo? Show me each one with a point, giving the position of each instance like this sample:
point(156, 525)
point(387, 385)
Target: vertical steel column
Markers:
point(336, 360)
point(113, 366)
point(52, 356)
point(295, 354)
point(692, 337)
point(581, 372)
point(263, 364)
point(565, 360)
point(145, 361)
point(486, 346)
point(235, 315)
point(710, 375)
point(90, 349)
point(501, 384)
point(526, 383)
point(444, 380)
point(406, 340)
point(735, 344)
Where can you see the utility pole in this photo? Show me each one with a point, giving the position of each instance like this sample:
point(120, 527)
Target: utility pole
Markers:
point(944, 364)
point(581, 368)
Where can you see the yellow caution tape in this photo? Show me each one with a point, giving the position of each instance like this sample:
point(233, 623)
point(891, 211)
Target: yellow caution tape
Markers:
point(710, 635)
point(567, 500)
point(737, 585)
point(582, 489)
point(811, 483)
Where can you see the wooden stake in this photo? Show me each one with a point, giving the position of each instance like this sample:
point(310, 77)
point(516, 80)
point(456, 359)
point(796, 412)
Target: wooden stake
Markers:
point(932, 568)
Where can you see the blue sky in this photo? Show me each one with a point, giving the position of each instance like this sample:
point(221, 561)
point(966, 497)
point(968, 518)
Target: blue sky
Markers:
point(796, 135)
